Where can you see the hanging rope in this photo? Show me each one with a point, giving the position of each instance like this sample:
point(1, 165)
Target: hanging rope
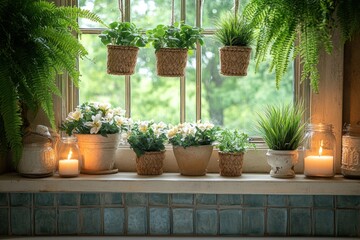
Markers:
point(121, 9)
point(172, 19)
point(236, 6)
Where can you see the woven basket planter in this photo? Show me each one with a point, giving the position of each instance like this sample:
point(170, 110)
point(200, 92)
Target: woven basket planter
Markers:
point(171, 62)
point(121, 60)
point(150, 163)
point(234, 61)
point(230, 164)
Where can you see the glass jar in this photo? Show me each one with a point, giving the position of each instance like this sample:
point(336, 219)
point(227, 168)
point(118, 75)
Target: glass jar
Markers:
point(319, 144)
point(350, 161)
point(69, 157)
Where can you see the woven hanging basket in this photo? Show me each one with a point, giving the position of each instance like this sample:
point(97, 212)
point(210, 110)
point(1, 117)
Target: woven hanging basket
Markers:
point(230, 164)
point(121, 59)
point(150, 163)
point(234, 61)
point(171, 62)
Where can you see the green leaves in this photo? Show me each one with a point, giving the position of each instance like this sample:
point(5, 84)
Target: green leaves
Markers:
point(233, 141)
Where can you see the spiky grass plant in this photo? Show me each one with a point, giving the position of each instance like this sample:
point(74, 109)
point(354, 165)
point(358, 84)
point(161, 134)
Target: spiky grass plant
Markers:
point(233, 30)
point(37, 42)
point(281, 126)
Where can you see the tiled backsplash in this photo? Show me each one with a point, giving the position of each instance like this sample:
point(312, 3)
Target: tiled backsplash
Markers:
point(178, 214)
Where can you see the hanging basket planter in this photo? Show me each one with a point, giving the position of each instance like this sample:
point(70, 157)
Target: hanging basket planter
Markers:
point(234, 60)
point(121, 59)
point(171, 62)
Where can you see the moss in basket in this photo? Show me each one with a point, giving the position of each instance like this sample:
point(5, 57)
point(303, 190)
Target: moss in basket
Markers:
point(233, 141)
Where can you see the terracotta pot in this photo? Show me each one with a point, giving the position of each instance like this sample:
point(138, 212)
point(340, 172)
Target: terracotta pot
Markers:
point(171, 62)
point(121, 60)
point(234, 60)
point(150, 163)
point(230, 164)
point(282, 163)
point(193, 161)
point(98, 152)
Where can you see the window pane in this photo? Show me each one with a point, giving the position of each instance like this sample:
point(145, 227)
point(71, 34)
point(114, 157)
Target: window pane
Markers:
point(213, 9)
point(190, 96)
point(107, 10)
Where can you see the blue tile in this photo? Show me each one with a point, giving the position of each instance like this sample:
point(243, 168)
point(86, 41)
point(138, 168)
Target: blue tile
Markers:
point(20, 199)
point(324, 201)
point(137, 221)
point(159, 221)
point(90, 221)
point(300, 222)
point(254, 200)
point(136, 198)
point(20, 221)
point(277, 200)
point(158, 199)
point(254, 222)
point(347, 201)
point(347, 223)
point(230, 222)
point(185, 199)
point(229, 199)
point(44, 199)
point(277, 219)
point(114, 219)
point(183, 220)
point(112, 198)
point(68, 199)
point(301, 200)
point(206, 222)
point(4, 221)
point(87, 199)
point(207, 199)
point(3, 199)
point(68, 220)
point(324, 222)
point(45, 221)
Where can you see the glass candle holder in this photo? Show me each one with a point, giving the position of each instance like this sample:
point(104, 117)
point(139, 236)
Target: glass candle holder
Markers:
point(69, 157)
point(319, 146)
point(350, 161)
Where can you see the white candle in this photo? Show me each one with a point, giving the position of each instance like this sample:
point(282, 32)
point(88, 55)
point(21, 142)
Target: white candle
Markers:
point(68, 167)
point(319, 166)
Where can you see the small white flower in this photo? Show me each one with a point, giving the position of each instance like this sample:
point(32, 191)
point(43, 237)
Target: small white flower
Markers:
point(119, 111)
point(95, 124)
point(104, 106)
point(76, 115)
point(173, 131)
point(143, 126)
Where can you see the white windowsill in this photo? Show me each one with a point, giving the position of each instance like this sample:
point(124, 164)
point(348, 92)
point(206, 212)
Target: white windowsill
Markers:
point(175, 183)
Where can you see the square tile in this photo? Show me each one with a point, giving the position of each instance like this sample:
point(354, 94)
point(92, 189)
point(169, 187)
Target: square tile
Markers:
point(44, 199)
point(183, 220)
point(301, 201)
point(20, 218)
point(254, 222)
point(183, 199)
point(206, 222)
point(206, 199)
point(254, 200)
point(159, 221)
point(347, 201)
point(324, 222)
point(68, 199)
point(321, 201)
point(347, 223)
point(137, 220)
point(90, 221)
point(45, 221)
point(112, 198)
point(300, 222)
point(277, 200)
point(136, 198)
point(230, 222)
point(277, 219)
point(114, 220)
point(68, 221)
point(87, 199)
point(4, 199)
point(4, 221)
point(229, 199)
point(20, 199)
point(158, 199)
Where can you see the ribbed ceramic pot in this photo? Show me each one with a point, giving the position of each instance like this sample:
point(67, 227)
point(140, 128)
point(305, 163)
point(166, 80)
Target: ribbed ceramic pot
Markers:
point(282, 163)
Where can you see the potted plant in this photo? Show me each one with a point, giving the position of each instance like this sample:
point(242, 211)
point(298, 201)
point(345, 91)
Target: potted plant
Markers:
point(283, 131)
point(236, 36)
point(232, 145)
point(192, 146)
point(148, 139)
point(98, 128)
point(123, 40)
point(37, 42)
point(171, 45)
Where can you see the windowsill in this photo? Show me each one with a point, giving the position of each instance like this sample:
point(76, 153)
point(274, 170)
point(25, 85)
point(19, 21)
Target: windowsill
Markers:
point(176, 183)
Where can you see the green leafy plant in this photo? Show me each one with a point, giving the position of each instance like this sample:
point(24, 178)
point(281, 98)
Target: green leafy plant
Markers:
point(281, 126)
point(123, 34)
point(234, 30)
point(233, 141)
point(37, 42)
point(179, 35)
point(280, 22)
point(148, 136)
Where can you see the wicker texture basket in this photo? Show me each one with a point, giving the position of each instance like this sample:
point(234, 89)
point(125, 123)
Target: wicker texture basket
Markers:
point(230, 164)
point(150, 163)
point(171, 62)
point(121, 60)
point(234, 61)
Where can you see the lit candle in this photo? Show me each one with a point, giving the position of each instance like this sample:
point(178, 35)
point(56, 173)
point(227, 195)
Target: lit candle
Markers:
point(319, 166)
point(69, 167)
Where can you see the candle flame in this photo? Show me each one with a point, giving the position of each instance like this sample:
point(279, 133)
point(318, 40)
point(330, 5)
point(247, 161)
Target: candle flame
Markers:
point(320, 149)
point(70, 154)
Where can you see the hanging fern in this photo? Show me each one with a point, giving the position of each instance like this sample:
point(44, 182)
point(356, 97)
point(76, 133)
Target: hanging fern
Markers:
point(37, 42)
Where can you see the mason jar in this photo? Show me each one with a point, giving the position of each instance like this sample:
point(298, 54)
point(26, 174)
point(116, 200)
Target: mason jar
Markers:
point(69, 157)
point(350, 161)
point(319, 146)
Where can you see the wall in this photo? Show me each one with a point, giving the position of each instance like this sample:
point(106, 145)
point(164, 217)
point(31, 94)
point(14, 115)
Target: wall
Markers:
point(178, 214)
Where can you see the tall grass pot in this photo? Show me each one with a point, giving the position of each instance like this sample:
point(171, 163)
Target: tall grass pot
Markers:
point(282, 163)
point(230, 164)
point(234, 60)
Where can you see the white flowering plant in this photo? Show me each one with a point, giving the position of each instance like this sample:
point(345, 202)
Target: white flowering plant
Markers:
point(192, 134)
point(96, 118)
point(147, 136)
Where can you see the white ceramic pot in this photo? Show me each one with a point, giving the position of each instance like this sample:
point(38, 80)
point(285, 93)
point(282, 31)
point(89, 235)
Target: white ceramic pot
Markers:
point(282, 163)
